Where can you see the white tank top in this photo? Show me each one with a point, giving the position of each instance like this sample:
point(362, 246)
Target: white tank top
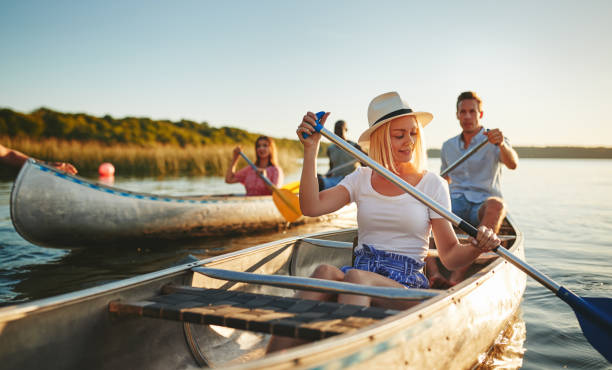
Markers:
point(399, 224)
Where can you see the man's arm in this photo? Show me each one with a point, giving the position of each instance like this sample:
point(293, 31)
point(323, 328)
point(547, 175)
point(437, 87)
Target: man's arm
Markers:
point(507, 155)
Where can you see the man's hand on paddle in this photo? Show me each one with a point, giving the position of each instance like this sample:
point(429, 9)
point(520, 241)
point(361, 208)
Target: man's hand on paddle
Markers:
point(496, 137)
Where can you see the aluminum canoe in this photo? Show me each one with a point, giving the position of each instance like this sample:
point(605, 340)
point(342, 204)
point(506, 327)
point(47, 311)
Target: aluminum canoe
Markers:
point(53, 209)
point(85, 330)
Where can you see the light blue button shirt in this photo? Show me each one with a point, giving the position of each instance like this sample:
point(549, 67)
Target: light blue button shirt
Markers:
point(478, 177)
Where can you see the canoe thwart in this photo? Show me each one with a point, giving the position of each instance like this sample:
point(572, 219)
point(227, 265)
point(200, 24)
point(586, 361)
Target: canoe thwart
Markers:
point(318, 285)
point(290, 317)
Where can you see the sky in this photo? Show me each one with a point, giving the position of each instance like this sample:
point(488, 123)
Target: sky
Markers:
point(543, 68)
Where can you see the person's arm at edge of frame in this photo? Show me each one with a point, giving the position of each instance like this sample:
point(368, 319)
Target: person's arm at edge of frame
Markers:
point(12, 157)
point(17, 159)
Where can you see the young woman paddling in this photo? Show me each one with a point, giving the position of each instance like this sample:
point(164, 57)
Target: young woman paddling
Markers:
point(394, 228)
point(267, 165)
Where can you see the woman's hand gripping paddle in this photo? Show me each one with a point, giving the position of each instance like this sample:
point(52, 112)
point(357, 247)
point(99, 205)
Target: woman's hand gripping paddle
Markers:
point(594, 314)
point(287, 203)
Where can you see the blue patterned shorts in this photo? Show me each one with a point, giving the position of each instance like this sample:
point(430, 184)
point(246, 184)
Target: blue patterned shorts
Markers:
point(403, 269)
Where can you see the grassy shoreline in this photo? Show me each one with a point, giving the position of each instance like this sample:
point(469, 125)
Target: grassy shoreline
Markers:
point(138, 160)
point(208, 159)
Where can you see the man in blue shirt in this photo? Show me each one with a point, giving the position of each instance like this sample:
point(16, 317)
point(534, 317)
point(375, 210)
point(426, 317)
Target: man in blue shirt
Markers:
point(475, 184)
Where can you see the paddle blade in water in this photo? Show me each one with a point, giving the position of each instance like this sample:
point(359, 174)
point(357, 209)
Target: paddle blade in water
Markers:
point(288, 204)
point(598, 333)
point(595, 318)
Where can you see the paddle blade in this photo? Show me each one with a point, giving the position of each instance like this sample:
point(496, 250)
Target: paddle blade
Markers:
point(595, 332)
point(293, 187)
point(288, 204)
point(595, 318)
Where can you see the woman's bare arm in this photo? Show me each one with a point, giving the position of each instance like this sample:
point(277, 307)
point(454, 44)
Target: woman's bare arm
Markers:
point(312, 202)
point(455, 255)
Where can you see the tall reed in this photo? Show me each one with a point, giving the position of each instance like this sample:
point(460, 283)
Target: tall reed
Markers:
point(136, 160)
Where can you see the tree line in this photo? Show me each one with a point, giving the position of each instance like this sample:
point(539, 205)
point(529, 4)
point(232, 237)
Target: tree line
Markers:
point(46, 123)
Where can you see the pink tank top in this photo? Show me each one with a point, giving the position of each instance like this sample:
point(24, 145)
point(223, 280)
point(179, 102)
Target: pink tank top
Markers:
point(254, 184)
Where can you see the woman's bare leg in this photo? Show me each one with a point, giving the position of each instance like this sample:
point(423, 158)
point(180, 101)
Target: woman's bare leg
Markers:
point(373, 279)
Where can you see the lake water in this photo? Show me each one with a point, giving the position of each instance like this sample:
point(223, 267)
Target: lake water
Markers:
point(564, 208)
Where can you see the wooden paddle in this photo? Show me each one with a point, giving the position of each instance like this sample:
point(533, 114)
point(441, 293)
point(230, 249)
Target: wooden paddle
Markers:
point(287, 203)
point(594, 314)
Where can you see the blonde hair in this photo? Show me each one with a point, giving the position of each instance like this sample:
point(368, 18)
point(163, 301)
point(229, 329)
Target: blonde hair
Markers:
point(381, 151)
point(271, 147)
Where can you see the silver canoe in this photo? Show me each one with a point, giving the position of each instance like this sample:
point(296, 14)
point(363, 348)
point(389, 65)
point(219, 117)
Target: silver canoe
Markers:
point(54, 209)
point(182, 317)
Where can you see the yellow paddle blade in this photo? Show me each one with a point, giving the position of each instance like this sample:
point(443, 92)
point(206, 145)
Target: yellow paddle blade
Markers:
point(288, 204)
point(293, 187)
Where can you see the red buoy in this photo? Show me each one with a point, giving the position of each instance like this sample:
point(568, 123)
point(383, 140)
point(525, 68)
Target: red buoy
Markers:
point(106, 169)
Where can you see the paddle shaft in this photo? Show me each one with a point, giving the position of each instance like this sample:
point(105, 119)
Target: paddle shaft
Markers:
point(265, 179)
point(463, 158)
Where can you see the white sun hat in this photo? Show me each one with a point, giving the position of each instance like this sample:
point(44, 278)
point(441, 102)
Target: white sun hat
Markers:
point(385, 108)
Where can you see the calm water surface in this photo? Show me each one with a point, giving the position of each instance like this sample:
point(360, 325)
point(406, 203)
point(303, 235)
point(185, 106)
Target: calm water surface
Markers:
point(564, 208)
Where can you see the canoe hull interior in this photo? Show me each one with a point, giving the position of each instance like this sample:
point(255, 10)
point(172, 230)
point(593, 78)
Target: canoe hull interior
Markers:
point(77, 331)
point(52, 209)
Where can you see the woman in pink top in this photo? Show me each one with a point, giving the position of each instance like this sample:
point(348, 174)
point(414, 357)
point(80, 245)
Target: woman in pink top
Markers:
point(267, 165)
